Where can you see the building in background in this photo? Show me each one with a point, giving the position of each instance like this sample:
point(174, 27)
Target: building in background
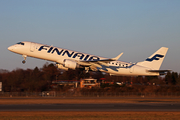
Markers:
point(89, 83)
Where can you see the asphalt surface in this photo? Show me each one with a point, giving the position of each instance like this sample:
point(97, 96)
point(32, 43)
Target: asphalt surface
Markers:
point(94, 107)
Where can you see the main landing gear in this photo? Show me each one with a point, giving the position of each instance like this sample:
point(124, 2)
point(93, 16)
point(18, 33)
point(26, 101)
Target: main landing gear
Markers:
point(87, 69)
point(24, 61)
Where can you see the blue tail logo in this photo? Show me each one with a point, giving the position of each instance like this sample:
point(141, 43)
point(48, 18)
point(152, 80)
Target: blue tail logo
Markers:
point(155, 57)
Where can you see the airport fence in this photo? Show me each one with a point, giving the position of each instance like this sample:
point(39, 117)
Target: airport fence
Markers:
point(88, 94)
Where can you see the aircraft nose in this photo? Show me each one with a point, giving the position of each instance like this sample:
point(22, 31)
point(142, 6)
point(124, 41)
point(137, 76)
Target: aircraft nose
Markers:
point(10, 48)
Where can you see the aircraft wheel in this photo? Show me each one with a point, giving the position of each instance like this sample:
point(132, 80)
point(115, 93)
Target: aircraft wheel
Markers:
point(23, 61)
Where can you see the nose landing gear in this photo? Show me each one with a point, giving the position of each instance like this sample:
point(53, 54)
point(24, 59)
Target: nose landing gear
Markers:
point(24, 61)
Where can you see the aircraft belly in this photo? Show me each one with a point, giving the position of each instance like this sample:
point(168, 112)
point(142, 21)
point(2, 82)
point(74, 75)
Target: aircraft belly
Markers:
point(127, 72)
point(120, 71)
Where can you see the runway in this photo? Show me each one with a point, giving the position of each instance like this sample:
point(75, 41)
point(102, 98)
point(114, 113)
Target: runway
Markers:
point(94, 107)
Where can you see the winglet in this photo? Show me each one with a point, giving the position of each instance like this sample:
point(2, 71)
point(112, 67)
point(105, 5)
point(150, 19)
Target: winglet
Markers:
point(116, 58)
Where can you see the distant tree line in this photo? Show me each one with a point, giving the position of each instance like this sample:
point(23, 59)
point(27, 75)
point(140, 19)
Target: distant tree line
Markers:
point(40, 79)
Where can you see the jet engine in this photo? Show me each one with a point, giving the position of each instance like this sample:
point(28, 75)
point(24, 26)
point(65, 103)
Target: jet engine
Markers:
point(70, 64)
point(60, 66)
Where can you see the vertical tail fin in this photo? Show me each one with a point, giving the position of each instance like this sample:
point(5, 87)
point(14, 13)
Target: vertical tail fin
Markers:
point(155, 60)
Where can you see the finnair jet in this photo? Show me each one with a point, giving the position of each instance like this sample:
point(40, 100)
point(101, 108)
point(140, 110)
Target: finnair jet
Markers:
point(67, 59)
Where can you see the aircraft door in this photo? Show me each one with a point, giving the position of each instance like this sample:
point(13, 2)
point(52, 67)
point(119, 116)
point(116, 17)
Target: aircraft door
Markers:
point(32, 47)
point(131, 69)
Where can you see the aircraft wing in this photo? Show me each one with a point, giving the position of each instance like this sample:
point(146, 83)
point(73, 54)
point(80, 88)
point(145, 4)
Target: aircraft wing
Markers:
point(98, 63)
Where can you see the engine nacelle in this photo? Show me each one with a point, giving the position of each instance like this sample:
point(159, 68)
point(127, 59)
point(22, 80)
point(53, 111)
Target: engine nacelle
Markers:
point(70, 64)
point(60, 66)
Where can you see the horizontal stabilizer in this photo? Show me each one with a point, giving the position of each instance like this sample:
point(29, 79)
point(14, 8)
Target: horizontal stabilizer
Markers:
point(161, 72)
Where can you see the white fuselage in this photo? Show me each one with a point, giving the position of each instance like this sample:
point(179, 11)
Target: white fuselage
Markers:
point(58, 55)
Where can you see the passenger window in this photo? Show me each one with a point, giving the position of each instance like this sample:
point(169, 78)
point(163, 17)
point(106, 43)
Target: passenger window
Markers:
point(126, 65)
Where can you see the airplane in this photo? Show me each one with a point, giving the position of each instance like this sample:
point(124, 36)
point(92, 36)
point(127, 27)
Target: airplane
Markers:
point(67, 59)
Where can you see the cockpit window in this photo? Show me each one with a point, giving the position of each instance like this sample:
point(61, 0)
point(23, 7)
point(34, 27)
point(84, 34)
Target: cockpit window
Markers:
point(21, 43)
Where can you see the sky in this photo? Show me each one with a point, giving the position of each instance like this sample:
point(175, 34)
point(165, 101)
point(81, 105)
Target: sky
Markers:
point(101, 27)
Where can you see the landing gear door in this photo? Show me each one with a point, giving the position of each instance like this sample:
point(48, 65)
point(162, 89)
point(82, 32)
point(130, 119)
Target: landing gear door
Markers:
point(32, 47)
